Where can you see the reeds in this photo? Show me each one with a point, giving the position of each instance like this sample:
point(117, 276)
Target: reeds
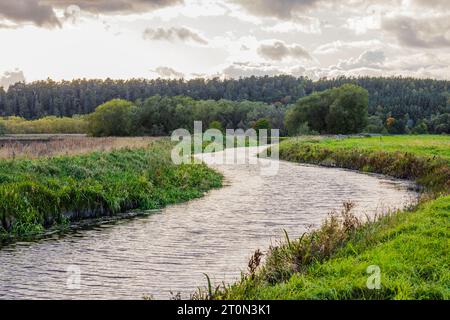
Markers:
point(31, 147)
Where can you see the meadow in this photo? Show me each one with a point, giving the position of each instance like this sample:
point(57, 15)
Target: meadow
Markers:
point(37, 194)
point(424, 159)
point(410, 248)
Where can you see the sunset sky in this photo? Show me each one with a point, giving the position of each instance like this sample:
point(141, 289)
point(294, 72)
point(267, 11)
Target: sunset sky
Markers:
point(66, 39)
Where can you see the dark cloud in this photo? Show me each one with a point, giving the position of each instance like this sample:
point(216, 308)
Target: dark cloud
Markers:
point(115, 6)
point(28, 11)
point(278, 50)
point(282, 9)
point(432, 32)
point(173, 34)
point(11, 77)
point(42, 14)
point(166, 72)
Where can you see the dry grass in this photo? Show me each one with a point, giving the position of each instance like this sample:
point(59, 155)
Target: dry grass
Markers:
point(36, 146)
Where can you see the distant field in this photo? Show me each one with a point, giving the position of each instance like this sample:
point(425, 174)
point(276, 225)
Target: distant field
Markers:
point(25, 146)
point(421, 145)
point(424, 159)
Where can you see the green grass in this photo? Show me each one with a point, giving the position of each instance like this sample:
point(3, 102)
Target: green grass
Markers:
point(420, 145)
point(425, 159)
point(40, 193)
point(411, 247)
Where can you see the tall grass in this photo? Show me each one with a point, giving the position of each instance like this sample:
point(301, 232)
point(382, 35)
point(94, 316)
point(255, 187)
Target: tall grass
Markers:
point(409, 247)
point(38, 193)
point(31, 147)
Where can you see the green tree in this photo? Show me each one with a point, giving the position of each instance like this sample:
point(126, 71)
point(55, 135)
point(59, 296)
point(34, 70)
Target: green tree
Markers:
point(262, 123)
point(114, 118)
point(2, 129)
point(441, 123)
point(420, 128)
point(374, 125)
point(349, 111)
point(216, 125)
point(338, 110)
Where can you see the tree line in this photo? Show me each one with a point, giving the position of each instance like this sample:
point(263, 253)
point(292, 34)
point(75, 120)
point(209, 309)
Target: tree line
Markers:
point(159, 116)
point(396, 105)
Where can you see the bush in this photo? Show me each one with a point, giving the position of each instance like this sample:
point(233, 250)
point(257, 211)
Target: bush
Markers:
point(46, 125)
point(113, 118)
point(216, 125)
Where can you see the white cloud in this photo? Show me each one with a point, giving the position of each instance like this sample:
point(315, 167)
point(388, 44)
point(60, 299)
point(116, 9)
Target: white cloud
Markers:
point(339, 46)
point(299, 24)
point(11, 77)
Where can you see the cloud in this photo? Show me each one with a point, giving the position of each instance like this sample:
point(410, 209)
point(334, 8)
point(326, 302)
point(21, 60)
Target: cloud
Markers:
point(41, 12)
point(281, 9)
point(29, 11)
point(435, 4)
point(298, 24)
point(247, 69)
point(115, 6)
point(173, 34)
point(166, 72)
point(368, 59)
point(278, 50)
point(11, 77)
point(338, 45)
point(430, 32)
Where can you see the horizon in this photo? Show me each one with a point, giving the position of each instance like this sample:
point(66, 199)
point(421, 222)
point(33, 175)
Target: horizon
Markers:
point(189, 39)
point(207, 79)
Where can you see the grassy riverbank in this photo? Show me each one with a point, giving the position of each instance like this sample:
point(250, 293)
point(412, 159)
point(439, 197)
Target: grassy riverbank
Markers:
point(39, 193)
point(425, 159)
point(410, 248)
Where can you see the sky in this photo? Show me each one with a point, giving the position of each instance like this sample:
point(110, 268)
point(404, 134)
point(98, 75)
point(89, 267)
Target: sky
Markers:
point(122, 39)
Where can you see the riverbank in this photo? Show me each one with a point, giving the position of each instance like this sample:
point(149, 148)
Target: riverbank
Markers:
point(36, 194)
point(408, 249)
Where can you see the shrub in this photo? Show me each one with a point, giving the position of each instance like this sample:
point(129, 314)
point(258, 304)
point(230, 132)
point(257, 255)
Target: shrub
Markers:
point(113, 118)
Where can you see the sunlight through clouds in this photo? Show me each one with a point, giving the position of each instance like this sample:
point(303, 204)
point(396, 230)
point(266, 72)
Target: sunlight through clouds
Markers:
point(192, 37)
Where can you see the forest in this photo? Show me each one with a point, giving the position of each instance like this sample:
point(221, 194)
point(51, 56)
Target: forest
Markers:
point(395, 105)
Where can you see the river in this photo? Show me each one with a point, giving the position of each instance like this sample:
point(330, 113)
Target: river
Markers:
point(169, 251)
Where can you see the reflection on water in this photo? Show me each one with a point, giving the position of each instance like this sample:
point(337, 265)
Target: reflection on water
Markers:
point(215, 235)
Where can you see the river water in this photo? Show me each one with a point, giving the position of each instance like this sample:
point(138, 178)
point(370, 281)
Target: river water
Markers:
point(169, 251)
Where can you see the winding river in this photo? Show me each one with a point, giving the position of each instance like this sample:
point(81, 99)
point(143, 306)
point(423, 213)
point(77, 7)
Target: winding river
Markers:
point(169, 251)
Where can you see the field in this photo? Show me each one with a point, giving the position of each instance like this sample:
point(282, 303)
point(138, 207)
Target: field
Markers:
point(36, 194)
point(410, 249)
point(420, 145)
point(424, 159)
